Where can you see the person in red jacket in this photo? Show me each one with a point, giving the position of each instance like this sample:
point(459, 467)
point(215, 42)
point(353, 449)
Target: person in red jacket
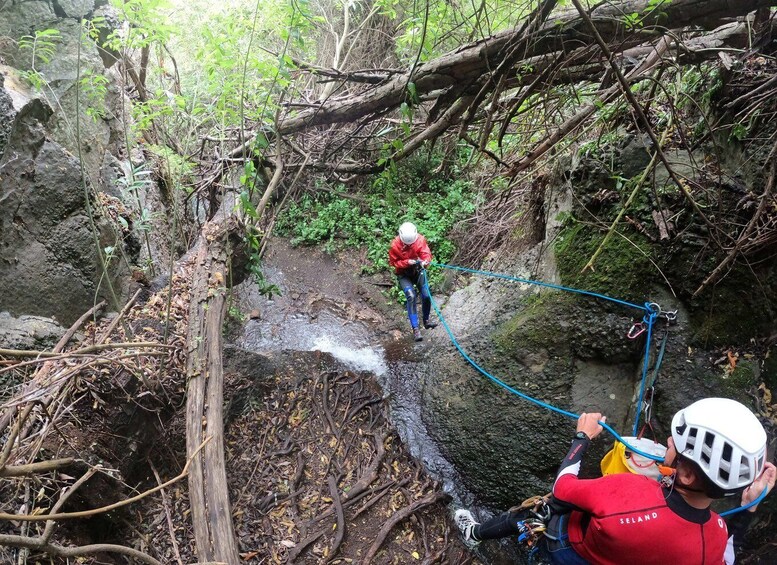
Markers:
point(717, 449)
point(409, 254)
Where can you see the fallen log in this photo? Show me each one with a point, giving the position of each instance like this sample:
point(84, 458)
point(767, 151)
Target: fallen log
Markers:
point(208, 494)
point(563, 32)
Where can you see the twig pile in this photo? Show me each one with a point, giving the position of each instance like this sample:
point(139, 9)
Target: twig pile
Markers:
point(72, 403)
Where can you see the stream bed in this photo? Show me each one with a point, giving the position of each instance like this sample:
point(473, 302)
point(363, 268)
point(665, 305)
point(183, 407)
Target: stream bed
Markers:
point(327, 314)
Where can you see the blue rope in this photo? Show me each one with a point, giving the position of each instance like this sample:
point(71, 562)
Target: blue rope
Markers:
point(548, 285)
point(761, 496)
point(519, 393)
point(649, 319)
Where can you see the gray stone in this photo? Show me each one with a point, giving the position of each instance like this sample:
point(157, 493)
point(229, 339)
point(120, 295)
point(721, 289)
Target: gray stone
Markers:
point(111, 20)
point(48, 259)
point(28, 332)
point(634, 156)
point(683, 164)
point(98, 125)
point(24, 18)
point(110, 173)
point(7, 113)
point(76, 8)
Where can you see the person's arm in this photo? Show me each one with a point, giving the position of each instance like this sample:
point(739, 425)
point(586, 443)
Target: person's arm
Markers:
point(424, 253)
point(567, 487)
point(395, 258)
point(740, 522)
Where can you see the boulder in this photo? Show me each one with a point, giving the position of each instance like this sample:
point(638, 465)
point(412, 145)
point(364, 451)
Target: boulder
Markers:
point(48, 257)
point(28, 332)
point(572, 352)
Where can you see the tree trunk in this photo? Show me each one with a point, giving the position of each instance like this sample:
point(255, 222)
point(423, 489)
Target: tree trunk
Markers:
point(208, 493)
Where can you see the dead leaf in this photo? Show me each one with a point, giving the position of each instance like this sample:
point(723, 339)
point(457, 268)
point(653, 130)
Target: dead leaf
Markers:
point(732, 359)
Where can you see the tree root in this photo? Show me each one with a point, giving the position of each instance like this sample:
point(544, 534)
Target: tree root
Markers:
point(398, 517)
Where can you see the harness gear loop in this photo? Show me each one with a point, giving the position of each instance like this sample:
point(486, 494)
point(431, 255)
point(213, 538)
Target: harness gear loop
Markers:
point(533, 526)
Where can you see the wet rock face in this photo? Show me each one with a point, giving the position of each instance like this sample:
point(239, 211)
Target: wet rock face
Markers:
point(571, 352)
point(552, 349)
point(48, 260)
point(6, 115)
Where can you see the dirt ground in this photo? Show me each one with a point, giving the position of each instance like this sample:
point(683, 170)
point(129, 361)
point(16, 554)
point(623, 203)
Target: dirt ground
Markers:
point(317, 473)
point(316, 470)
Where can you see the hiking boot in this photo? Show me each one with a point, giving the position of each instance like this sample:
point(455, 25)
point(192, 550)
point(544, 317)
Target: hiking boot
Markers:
point(428, 324)
point(466, 523)
point(417, 334)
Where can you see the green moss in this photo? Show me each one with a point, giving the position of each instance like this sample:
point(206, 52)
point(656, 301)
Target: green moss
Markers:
point(735, 310)
point(535, 326)
point(741, 379)
point(623, 269)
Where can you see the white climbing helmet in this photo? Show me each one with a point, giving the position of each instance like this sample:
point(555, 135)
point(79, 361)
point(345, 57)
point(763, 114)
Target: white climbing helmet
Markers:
point(724, 439)
point(408, 233)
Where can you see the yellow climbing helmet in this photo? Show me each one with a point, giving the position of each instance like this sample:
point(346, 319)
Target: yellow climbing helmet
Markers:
point(620, 460)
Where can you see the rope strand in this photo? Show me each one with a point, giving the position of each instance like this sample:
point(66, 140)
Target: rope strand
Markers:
point(652, 312)
point(650, 315)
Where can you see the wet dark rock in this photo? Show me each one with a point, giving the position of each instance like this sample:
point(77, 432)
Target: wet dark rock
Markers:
point(572, 351)
point(74, 8)
point(634, 154)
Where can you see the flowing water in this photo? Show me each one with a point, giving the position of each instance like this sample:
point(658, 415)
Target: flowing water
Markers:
point(306, 320)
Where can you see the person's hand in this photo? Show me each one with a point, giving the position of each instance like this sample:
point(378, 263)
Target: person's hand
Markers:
point(765, 480)
point(412, 261)
point(588, 423)
point(423, 263)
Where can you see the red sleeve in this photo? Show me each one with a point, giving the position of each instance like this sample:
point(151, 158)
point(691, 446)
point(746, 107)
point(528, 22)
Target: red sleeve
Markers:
point(580, 493)
point(424, 253)
point(396, 258)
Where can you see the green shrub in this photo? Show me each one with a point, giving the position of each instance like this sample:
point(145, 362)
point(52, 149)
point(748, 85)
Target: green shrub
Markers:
point(370, 221)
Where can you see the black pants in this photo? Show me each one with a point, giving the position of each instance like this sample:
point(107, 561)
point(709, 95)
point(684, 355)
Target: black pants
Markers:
point(553, 546)
point(408, 282)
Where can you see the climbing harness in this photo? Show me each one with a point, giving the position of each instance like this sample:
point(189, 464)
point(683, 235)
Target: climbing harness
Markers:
point(532, 526)
point(652, 311)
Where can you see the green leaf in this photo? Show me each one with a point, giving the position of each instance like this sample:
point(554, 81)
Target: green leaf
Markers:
point(261, 141)
point(413, 93)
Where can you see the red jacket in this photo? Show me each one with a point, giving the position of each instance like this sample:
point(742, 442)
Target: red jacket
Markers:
point(400, 254)
point(631, 519)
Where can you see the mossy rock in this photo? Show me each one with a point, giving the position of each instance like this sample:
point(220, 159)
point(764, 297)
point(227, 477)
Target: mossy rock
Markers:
point(623, 269)
point(738, 382)
point(736, 310)
point(561, 326)
point(537, 327)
